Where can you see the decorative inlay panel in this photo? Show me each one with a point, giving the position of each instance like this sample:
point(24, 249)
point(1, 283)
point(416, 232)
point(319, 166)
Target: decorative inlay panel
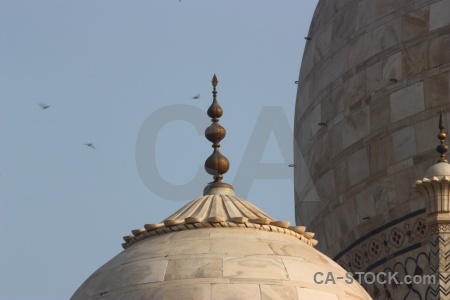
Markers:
point(399, 246)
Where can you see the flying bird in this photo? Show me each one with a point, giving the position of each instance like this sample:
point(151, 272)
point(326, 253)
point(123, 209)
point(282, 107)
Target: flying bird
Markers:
point(90, 145)
point(196, 97)
point(44, 106)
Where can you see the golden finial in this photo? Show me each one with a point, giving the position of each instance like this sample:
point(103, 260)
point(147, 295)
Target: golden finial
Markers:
point(442, 148)
point(216, 164)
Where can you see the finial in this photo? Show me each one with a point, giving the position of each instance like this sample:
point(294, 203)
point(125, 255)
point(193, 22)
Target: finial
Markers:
point(214, 81)
point(442, 148)
point(216, 164)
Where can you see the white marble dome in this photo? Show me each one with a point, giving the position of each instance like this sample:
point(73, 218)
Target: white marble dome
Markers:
point(219, 246)
point(438, 170)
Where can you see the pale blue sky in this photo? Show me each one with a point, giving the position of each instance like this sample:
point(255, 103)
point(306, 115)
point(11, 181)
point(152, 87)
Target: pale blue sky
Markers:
point(104, 67)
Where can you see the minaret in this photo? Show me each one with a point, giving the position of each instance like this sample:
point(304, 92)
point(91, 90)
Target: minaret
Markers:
point(435, 189)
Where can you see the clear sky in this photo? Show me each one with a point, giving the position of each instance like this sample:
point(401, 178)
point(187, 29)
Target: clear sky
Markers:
point(111, 71)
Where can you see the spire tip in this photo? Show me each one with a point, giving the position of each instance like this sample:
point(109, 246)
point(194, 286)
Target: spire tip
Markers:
point(214, 81)
point(442, 148)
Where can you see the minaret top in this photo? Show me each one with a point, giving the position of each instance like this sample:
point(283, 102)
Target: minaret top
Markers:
point(442, 167)
point(216, 164)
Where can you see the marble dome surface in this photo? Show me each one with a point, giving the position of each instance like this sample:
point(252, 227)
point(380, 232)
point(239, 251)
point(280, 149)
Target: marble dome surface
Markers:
point(219, 246)
point(439, 170)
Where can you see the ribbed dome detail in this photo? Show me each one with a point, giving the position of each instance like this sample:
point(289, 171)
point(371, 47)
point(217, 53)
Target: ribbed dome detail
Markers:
point(219, 211)
point(219, 208)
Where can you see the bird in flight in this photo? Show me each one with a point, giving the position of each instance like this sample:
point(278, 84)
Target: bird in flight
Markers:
point(44, 106)
point(196, 97)
point(90, 145)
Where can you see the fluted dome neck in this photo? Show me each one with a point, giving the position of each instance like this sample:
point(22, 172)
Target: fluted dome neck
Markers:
point(219, 207)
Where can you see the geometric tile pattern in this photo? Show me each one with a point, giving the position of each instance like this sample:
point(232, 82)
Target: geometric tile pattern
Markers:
point(375, 248)
point(440, 260)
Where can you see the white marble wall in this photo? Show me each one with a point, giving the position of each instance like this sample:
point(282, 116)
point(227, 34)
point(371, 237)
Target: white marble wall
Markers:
point(377, 72)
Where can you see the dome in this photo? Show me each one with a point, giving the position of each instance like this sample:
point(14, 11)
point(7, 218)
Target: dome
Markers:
point(439, 170)
point(219, 246)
